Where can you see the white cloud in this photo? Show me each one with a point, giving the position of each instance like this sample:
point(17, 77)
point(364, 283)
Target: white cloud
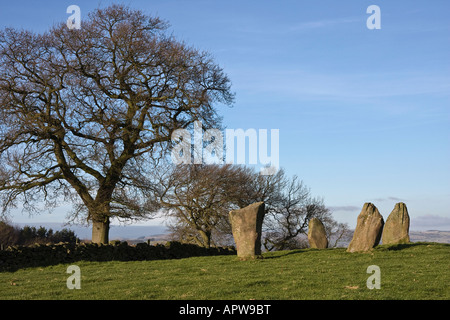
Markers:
point(344, 208)
point(257, 27)
point(349, 86)
point(322, 24)
point(389, 199)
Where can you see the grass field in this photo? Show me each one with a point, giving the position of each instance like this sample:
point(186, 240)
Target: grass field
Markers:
point(414, 271)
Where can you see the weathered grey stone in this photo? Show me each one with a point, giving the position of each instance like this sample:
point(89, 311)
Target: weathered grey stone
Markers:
point(396, 229)
point(368, 229)
point(317, 235)
point(246, 225)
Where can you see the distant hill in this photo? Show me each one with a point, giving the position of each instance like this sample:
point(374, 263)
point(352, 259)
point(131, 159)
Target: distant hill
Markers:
point(430, 236)
point(415, 236)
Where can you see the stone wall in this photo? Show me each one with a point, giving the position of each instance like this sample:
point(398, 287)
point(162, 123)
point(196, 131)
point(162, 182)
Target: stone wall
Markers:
point(16, 257)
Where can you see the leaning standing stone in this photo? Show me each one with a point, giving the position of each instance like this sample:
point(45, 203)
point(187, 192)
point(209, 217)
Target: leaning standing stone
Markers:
point(396, 229)
point(317, 237)
point(246, 224)
point(368, 229)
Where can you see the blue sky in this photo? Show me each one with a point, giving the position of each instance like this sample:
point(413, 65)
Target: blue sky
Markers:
point(363, 114)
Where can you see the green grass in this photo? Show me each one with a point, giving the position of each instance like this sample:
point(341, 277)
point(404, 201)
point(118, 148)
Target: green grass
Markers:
point(414, 271)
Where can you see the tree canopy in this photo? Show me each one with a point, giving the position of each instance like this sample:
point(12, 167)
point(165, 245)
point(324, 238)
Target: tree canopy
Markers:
point(84, 111)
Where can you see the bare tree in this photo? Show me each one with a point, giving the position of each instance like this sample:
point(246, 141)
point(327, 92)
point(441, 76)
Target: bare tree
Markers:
point(84, 111)
point(9, 235)
point(337, 232)
point(288, 213)
point(199, 197)
point(290, 206)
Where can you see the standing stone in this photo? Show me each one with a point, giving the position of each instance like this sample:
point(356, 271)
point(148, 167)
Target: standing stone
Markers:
point(368, 229)
point(396, 229)
point(317, 236)
point(246, 225)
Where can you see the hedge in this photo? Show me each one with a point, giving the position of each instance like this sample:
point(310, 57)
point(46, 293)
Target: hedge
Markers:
point(16, 257)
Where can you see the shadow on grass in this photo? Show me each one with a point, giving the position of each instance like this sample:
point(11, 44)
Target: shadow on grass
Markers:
point(281, 254)
point(401, 246)
point(382, 247)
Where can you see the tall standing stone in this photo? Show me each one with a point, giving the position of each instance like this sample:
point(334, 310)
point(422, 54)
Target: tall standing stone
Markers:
point(246, 225)
point(317, 236)
point(396, 229)
point(368, 229)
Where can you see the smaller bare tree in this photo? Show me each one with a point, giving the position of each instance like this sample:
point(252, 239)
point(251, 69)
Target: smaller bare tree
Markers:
point(290, 207)
point(198, 198)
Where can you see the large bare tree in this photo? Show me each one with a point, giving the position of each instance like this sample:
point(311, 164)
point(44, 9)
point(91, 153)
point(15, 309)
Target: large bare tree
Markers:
point(84, 111)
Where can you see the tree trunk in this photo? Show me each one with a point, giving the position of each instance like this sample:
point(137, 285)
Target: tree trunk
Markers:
point(99, 213)
point(100, 231)
point(206, 238)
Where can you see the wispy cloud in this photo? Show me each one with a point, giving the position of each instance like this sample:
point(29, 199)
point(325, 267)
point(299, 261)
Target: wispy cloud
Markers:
point(389, 199)
point(430, 222)
point(321, 24)
point(256, 27)
point(345, 86)
point(344, 208)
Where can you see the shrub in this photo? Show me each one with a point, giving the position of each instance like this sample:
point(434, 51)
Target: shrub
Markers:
point(10, 235)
